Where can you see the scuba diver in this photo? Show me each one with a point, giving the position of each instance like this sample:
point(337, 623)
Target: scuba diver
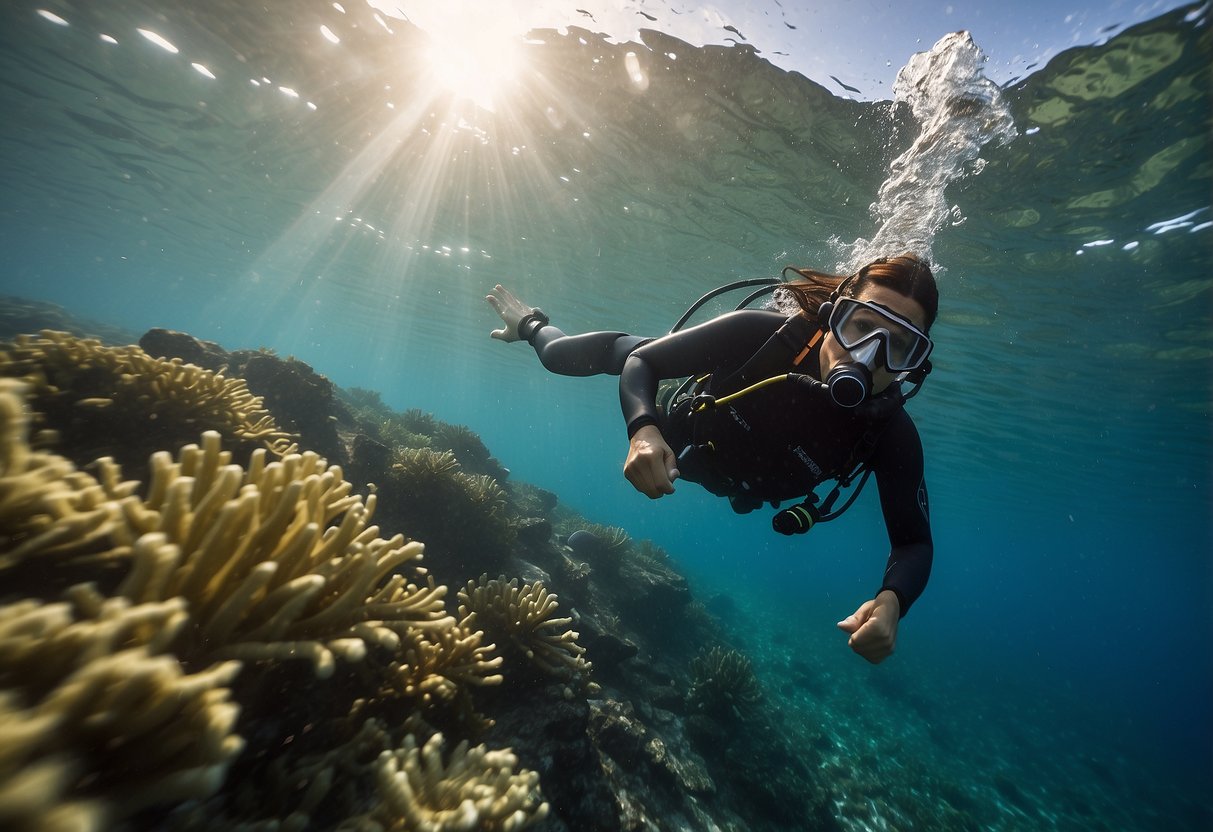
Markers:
point(776, 404)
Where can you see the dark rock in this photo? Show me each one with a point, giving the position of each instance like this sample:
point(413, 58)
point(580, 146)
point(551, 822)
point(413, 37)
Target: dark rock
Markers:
point(607, 649)
point(668, 698)
point(706, 733)
point(616, 730)
point(165, 343)
point(651, 597)
point(547, 499)
point(301, 399)
point(370, 458)
point(534, 531)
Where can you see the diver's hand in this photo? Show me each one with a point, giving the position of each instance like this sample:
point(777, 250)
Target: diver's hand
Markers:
point(651, 466)
point(511, 311)
point(873, 627)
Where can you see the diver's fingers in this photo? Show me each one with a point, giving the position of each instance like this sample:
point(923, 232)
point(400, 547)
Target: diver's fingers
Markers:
point(501, 297)
point(659, 479)
point(644, 478)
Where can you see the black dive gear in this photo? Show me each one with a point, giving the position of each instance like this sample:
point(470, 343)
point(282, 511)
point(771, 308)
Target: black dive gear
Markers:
point(531, 323)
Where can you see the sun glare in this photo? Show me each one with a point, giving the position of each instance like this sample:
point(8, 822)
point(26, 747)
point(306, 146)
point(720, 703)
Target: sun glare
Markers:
point(474, 49)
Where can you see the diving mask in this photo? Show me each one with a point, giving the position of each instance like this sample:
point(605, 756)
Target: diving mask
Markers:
point(874, 336)
point(858, 323)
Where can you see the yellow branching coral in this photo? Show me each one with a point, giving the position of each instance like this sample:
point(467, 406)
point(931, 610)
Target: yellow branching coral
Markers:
point(521, 619)
point(476, 788)
point(95, 724)
point(69, 372)
point(262, 571)
point(46, 505)
point(439, 666)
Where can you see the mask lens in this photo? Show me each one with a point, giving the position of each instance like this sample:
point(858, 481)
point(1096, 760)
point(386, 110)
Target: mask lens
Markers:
point(854, 322)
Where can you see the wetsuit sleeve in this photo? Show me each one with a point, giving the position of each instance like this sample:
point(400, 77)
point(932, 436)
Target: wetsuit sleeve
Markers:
point(898, 464)
point(719, 345)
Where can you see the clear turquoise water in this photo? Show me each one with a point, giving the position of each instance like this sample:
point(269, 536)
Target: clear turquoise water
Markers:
point(1065, 643)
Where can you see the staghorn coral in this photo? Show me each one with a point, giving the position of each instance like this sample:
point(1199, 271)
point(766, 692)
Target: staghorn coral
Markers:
point(485, 494)
point(476, 788)
point(439, 667)
point(95, 723)
point(95, 395)
point(520, 619)
point(47, 507)
point(723, 684)
point(263, 572)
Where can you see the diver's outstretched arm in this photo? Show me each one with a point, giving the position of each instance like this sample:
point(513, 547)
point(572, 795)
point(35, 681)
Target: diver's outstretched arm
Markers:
point(590, 354)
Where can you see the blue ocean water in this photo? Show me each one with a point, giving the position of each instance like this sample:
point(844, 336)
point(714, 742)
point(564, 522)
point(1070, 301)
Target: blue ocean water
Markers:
point(327, 200)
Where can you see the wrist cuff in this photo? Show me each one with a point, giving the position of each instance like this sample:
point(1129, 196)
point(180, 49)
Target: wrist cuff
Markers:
point(902, 606)
point(532, 323)
point(638, 423)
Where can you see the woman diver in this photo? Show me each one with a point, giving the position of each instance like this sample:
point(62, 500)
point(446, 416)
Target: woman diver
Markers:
point(776, 404)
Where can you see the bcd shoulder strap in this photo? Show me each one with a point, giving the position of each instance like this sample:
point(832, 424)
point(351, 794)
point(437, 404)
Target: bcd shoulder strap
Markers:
point(786, 348)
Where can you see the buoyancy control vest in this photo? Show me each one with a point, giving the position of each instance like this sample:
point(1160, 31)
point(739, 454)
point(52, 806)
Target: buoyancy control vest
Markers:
point(767, 432)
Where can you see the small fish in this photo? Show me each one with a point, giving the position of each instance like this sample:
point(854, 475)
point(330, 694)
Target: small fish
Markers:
point(582, 541)
point(733, 29)
point(649, 16)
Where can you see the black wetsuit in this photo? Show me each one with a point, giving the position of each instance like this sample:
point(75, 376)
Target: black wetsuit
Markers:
point(776, 443)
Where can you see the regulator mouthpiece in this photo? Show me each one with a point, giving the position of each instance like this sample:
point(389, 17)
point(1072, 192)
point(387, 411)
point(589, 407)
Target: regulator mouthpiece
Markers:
point(850, 382)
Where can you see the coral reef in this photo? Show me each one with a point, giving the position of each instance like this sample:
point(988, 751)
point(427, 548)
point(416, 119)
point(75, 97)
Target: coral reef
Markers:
point(23, 315)
point(470, 450)
point(228, 574)
point(96, 721)
point(301, 400)
point(99, 398)
point(462, 517)
point(47, 507)
point(439, 668)
point(723, 684)
point(99, 714)
point(476, 788)
point(264, 573)
point(521, 619)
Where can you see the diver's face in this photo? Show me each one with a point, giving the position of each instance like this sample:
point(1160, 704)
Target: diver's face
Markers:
point(833, 354)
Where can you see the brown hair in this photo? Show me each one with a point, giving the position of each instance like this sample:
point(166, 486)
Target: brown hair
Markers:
point(907, 274)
